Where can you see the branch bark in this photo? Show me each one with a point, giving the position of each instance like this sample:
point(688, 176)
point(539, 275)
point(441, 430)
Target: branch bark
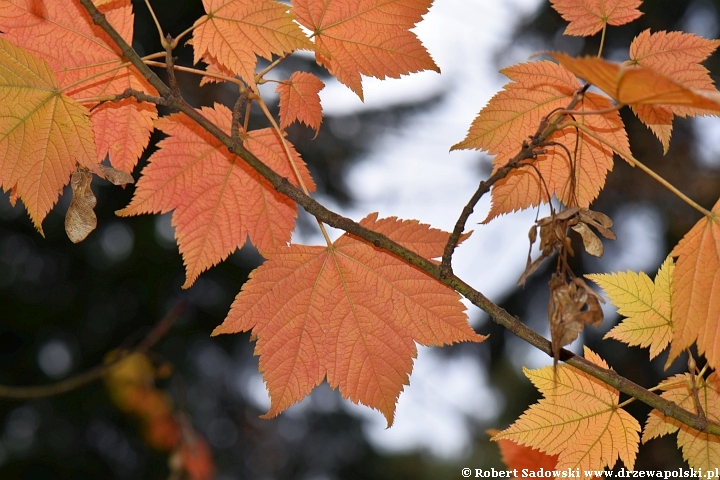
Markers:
point(498, 314)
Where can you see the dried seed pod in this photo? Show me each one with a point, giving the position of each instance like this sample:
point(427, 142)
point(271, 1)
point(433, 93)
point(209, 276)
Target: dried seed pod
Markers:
point(80, 219)
point(592, 243)
point(572, 306)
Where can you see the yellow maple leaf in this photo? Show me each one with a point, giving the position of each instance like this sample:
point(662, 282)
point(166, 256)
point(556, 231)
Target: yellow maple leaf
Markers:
point(43, 133)
point(579, 419)
point(645, 304)
point(700, 449)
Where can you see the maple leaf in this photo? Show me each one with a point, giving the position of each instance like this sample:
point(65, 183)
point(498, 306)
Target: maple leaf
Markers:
point(299, 100)
point(700, 449)
point(366, 37)
point(514, 114)
point(218, 199)
point(646, 304)
point(587, 17)
point(349, 311)
point(81, 50)
point(638, 85)
point(520, 457)
point(676, 55)
point(695, 304)
point(44, 134)
point(577, 419)
point(234, 32)
point(215, 68)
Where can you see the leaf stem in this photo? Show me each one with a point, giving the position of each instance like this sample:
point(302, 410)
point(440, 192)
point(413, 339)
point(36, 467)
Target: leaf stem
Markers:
point(177, 39)
point(157, 24)
point(288, 155)
point(259, 76)
point(109, 70)
point(602, 40)
point(636, 163)
point(197, 71)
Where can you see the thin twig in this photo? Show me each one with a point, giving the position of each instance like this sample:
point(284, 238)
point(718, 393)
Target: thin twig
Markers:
point(544, 131)
point(237, 112)
point(497, 313)
point(97, 372)
point(170, 62)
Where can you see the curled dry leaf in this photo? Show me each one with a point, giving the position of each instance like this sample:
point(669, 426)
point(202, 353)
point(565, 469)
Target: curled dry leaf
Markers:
point(80, 219)
point(573, 304)
point(115, 176)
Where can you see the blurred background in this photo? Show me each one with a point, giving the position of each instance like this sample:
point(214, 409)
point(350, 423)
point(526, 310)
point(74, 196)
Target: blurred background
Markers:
point(65, 306)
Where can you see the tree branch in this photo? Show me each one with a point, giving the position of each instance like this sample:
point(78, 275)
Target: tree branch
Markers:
point(97, 372)
point(498, 314)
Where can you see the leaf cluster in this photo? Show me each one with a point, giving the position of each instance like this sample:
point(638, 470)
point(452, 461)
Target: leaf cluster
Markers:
point(352, 310)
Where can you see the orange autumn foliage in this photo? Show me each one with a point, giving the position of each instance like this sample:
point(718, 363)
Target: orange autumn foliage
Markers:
point(131, 385)
point(354, 316)
point(350, 312)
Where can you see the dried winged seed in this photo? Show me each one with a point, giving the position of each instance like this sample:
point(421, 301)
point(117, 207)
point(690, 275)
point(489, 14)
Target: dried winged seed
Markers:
point(572, 306)
point(115, 176)
point(593, 315)
point(592, 243)
point(530, 269)
point(600, 221)
point(80, 219)
point(567, 214)
point(532, 234)
point(590, 216)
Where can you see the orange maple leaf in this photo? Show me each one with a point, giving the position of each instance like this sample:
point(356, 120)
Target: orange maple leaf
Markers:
point(299, 100)
point(234, 32)
point(514, 114)
point(215, 68)
point(578, 419)
point(349, 311)
point(218, 199)
point(638, 85)
point(587, 17)
point(695, 303)
point(368, 37)
point(81, 50)
point(700, 449)
point(676, 55)
point(44, 133)
point(520, 457)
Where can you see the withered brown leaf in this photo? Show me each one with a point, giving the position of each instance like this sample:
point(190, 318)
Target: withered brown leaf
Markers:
point(115, 176)
point(80, 219)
